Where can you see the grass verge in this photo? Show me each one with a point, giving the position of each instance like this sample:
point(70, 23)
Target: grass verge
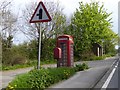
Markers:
point(29, 64)
point(43, 78)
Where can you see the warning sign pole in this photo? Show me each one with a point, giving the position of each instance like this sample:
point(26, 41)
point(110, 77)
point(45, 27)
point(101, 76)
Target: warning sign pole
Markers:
point(40, 15)
point(39, 43)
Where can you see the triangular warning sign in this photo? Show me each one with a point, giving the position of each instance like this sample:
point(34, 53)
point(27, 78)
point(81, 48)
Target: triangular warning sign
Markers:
point(40, 15)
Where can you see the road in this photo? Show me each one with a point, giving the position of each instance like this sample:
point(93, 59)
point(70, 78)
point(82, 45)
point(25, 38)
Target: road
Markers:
point(8, 76)
point(111, 79)
point(115, 80)
point(89, 78)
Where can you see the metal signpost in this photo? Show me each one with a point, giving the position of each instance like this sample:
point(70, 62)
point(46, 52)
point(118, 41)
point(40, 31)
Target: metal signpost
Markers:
point(40, 15)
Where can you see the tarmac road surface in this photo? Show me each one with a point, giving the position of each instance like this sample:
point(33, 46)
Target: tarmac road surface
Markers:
point(99, 67)
point(111, 79)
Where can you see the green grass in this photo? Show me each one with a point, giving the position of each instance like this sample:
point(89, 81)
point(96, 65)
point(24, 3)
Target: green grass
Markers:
point(29, 64)
point(43, 78)
point(94, 58)
point(34, 62)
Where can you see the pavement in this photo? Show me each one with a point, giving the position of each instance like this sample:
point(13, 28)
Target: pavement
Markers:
point(82, 79)
point(87, 79)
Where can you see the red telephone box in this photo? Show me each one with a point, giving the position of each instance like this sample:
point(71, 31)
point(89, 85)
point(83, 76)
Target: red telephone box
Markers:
point(65, 43)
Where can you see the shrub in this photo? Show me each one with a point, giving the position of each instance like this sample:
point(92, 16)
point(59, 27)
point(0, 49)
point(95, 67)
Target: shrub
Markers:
point(20, 82)
point(81, 67)
point(7, 56)
point(97, 58)
point(39, 79)
point(14, 55)
point(110, 54)
point(43, 78)
point(85, 66)
point(19, 60)
point(23, 63)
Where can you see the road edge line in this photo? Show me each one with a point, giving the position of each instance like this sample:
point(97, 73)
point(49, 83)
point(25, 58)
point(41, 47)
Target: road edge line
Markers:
point(105, 85)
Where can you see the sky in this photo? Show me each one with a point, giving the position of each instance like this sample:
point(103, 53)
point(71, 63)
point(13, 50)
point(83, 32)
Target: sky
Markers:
point(69, 7)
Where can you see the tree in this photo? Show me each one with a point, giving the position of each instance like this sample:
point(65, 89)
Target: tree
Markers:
point(8, 23)
point(8, 29)
point(49, 30)
point(109, 43)
point(90, 24)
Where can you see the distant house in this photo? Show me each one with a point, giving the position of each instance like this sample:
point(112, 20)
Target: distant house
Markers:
point(97, 49)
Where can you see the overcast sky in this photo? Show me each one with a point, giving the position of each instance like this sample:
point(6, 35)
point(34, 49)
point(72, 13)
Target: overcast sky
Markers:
point(71, 5)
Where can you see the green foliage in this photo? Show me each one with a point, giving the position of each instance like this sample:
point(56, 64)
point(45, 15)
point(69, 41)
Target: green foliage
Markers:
point(39, 79)
point(7, 43)
point(32, 49)
point(81, 67)
point(110, 54)
point(17, 66)
point(97, 58)
point(25, 53)
point(86, 55)
point(20, 82)
point(30, 63)
point(109, 43)
point(43, 78)
point(14, 55)
point(52, 61)
point(47, 49)
point(90, 24)
point(7, 56)
point(62, 73)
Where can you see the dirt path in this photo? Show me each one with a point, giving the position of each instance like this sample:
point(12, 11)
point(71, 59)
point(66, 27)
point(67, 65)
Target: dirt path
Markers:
point(8, 76)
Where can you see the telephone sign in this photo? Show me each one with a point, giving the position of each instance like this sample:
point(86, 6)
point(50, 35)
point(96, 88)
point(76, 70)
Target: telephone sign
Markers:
point(41, 14)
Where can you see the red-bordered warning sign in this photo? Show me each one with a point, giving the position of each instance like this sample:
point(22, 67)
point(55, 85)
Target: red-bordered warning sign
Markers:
point(41, 14)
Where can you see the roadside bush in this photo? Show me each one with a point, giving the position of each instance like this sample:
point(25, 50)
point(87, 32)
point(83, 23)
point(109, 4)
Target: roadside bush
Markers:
point(97, 58)
point(39, 78)
point(43, 78)
point(81, 67)
point(19, 60)
point(7, 56)
point(110, 54)
point(25, 63)
point(14, 55)
point(58, 74)
point(21, 81)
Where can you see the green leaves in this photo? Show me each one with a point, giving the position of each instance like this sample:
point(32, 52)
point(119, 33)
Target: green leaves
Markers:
point(40, 79)
point(91, 23)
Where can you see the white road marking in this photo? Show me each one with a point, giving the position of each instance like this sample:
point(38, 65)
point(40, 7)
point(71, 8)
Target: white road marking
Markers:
point(113, 63)
point(110, 76)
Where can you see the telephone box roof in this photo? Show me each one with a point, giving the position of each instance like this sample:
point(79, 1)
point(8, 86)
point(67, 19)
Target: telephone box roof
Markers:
point(68, 36)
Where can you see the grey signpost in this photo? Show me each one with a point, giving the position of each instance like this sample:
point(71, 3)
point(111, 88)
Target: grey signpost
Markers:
point(40, 15)
point(39, 49)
